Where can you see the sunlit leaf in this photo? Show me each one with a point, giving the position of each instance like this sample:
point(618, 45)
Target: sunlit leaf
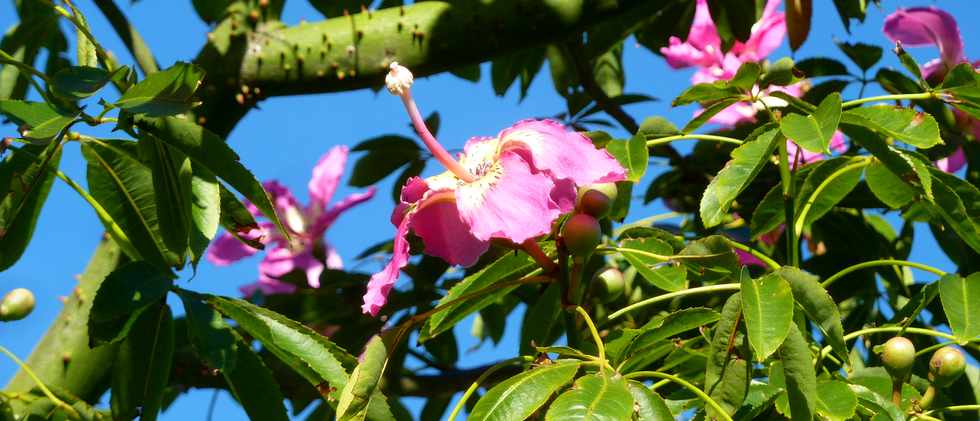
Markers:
point(747, 161)
point(520, 396)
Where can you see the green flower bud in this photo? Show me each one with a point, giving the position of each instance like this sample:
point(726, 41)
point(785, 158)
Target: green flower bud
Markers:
point(946, 365)
point(898, 356)
point(609, 284)
point(16, 305)
point(581, 234)
point(595, 203)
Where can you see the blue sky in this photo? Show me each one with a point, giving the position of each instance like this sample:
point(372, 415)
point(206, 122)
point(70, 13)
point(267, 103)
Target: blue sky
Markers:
point(286, 136)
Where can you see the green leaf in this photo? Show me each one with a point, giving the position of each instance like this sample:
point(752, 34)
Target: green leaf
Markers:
point(727, 373)
point(954, 213)
point(835, 400)
point(205, 199)
point(826, 186)
point(608, 71)
point(657, 126)
point(746, 76)
point(768, 308)
point(235, 217)
point(769, 213)
point(902, 163)
point(253, 385)
point(747, 160)
point(877, 404)
point(594, 397)
point(362, 385)
point(707, 113)
point(25, 181)
point(541, 317)
point(171, 174)
point(385, 154)
point(523, 64)
point(706, 93)
point(649, 405)
point(632, 155)
point(800, 377)
point(142, 366)
point(961, 303)
point(509, 267)
point(908, 62)
point(887, 186)
point(520, 396)
point(163, 93)
point(650, 257)
point(211, 337)
point(818, 305)
point(782, 72)
point(41, 121)
point(814, 132)
point(733, 19)
point(710, 260)
point(864, 56)
point(671, 325)
point(124, 187)
point(760, 398)
point(310, 354)
point(78, 82)
point(903, 124)
point(212, 153)
point(822, 66)
point(896, 82)
point(211, 10)
point(122, 297)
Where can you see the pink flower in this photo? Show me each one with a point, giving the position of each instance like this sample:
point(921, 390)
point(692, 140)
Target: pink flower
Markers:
point(511, 187)
point(923, 26)
point(306, 224)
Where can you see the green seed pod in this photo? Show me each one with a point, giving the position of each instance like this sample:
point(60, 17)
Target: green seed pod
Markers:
point(595, 203)
point(946, 365)
point(581, 233)
point(16, 305)
point(897, 357)
point(609, 284)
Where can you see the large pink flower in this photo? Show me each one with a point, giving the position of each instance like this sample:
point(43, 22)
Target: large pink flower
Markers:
point(511, 187)
point(306, 224)
point(930, 26)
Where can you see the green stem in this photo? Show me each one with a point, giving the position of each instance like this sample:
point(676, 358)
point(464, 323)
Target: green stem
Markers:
point(595, 334)
point(671, 295)
point(700, 393)
point(786, 178)
point(40, 384)
point(479, 381)
point(884, 329)
point(759, 255)
point(881, 98)
point(668, 139)
point(645, 222)
point(881, 262)
point(801, 219)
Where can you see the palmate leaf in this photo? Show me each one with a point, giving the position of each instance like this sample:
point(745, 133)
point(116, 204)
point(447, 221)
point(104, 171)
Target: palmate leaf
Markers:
point(593, 397)
point(818, 305)
point(650, 257)
point(632, 155)
point(747, 161)
point(520, 396)
point(814, 132)
point(835, 400)
point(668, 326)
point(25, 181)
point(903, 124)
point(78, 82)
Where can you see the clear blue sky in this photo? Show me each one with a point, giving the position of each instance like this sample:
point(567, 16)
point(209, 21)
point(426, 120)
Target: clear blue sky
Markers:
point(285, 138)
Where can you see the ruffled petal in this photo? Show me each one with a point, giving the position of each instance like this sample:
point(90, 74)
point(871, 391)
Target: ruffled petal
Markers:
point(437, 222)
point(953, 162)
point(564, 195)
point(287, 207)
point(735, 114)
point(511, 202)
point(280, 261)
point(767, 35)
point(326, 176)
point(548, 147)
point(227, 250)
point(927, 26)
point(381, 283)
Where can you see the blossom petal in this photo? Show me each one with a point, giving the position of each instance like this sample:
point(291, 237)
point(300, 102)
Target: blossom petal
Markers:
point(953, 162)
point(747, 259)
point(326, 176)
point(333, 258)
point(767, 35)
point(287, 207)
point(516, 205)
point(227, 250)
point(326, 219)
point(381, 283)
point(280, 261)
point(927, 26)
point(702, 46)
point(445, 235)
point(550, 148)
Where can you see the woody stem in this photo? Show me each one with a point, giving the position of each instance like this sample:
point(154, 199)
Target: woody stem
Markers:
point(532, 248)
point(440, 153)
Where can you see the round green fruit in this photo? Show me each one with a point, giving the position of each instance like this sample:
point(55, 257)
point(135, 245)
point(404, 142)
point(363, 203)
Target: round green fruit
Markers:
point(581, 233)
point(898, 356)
point(595, 203)
point(946, 365)
point(609, 284)
point(16, 305)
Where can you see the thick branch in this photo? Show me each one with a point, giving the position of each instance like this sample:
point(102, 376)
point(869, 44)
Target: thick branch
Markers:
point(63, 359)
point(353, 52)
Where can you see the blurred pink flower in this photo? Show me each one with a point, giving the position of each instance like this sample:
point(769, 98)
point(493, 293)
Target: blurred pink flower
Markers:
point(931, 26)
point(306, 225)
point(509, 187)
